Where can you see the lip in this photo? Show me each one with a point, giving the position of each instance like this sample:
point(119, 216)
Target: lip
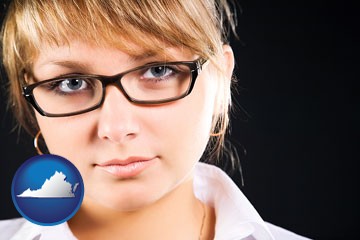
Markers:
point(126, 168)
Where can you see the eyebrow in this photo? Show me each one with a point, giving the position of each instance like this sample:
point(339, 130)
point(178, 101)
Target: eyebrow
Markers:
point(142, 56)
point(132, 58)
point(166, 55)
point(72, 65)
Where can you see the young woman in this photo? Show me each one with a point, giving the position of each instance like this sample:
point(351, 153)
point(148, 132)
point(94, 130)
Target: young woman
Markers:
point(132, 93)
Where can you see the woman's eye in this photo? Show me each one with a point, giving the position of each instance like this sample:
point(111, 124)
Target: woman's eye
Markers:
point(71, 85)
point(158, 72)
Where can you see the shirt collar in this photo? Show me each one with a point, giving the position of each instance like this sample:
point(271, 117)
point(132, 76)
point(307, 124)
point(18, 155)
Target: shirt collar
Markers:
point(30, 231)
point(236, 218)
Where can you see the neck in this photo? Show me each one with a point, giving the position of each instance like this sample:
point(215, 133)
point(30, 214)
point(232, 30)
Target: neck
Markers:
point(178, 214)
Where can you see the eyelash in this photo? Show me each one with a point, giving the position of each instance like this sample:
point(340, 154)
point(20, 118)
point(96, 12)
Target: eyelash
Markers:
point(172, 70)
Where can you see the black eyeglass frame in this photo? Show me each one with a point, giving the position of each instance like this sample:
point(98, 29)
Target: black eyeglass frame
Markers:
point(194, 66)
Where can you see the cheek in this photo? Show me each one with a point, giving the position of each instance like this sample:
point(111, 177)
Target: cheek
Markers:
point(64, 136)
point(201, 104)
point(187, 123)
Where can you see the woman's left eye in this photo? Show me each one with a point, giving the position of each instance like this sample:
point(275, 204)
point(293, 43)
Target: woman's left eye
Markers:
point(71, 85)
point(158, 72)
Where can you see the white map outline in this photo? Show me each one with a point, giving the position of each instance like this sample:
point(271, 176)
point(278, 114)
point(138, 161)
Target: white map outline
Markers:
point(54, 187)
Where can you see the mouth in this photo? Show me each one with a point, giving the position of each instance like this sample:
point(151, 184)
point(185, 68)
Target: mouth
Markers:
point(127, 168)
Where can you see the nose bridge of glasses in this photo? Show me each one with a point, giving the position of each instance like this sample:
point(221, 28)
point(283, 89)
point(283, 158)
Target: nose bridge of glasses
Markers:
point(116, 81)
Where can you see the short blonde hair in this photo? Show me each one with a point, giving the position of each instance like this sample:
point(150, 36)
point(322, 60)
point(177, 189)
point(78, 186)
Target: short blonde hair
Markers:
point(196, 25)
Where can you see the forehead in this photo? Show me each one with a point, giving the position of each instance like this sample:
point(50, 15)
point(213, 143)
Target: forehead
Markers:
point(80, 48)
point(90, 49)
point(85, 57)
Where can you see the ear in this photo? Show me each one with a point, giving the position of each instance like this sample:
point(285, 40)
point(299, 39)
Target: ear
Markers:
point(223, 96)
point(27, 78)
point(229, 62)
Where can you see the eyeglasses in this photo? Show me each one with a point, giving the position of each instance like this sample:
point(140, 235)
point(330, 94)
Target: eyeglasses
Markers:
point(153, 83)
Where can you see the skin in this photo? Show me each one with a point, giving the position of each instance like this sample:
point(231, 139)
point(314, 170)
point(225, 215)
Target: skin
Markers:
point(174, 135)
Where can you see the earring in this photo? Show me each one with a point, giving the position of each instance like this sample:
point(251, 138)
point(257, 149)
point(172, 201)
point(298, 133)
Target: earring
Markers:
point(216, 134)
point(36, 145)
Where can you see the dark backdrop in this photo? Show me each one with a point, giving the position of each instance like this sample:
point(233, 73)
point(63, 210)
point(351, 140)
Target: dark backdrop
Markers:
point(296, 114)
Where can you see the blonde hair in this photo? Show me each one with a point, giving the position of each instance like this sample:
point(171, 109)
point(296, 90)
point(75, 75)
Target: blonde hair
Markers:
point(196, 25)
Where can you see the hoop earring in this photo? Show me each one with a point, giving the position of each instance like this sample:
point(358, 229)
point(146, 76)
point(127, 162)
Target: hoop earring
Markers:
point(36, 145)
point(216, 134)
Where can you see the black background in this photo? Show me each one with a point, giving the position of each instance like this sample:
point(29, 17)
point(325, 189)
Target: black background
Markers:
point(297, 66)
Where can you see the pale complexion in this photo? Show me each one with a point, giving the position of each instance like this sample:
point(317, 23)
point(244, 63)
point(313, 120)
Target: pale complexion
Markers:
point(154, 203)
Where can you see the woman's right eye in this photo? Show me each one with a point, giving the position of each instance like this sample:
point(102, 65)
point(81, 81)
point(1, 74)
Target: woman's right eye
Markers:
point(68, 86)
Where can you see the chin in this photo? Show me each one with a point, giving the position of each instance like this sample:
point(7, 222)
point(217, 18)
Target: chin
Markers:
point(125, 203)
point(127, 206)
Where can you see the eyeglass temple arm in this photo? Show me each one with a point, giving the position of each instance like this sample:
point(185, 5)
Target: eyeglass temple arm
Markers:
point(201, 62)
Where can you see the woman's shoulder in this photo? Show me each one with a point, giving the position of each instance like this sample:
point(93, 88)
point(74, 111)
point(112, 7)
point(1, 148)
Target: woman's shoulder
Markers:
point(9, 227)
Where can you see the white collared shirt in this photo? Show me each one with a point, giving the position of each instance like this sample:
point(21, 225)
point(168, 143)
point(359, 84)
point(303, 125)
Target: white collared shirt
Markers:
point(236, 218)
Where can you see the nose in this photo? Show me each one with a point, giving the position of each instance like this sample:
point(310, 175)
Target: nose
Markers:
point(117, 121)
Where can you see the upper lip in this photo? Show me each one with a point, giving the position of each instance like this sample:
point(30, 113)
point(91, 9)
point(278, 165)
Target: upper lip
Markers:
point(124, 161)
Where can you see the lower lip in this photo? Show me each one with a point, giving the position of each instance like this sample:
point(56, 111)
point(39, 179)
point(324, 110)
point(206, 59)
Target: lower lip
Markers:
point(127, 171)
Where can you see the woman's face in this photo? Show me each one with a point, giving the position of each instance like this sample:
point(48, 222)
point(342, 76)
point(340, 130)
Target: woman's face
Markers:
point(129, 155)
